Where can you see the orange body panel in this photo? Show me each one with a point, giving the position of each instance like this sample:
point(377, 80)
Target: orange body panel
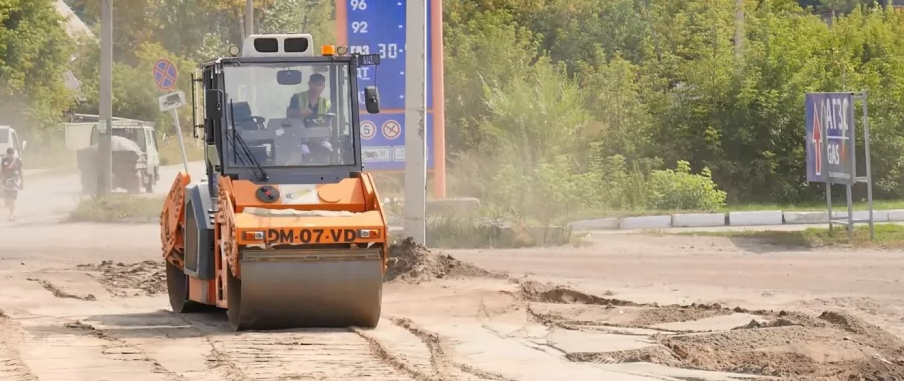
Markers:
point(172, 219)
point(357, 195)
point(347, 195)
point(196, 290)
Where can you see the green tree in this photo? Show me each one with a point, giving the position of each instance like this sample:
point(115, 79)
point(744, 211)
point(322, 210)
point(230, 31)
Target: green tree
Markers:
point(34, 54)
point(593, 98)
point(490, 52)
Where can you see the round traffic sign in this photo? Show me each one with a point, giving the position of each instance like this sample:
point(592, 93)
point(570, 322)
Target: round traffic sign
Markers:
point(368, 130)
point(391, 129)
point(165, 74)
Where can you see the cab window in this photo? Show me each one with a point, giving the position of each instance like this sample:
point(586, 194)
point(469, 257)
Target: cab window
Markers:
point(151, 139)
point(142, 138)
point(14, 141)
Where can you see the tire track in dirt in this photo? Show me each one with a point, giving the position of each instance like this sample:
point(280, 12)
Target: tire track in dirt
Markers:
point(218, 359)
point(118, 346)
point(59, 293)
point(168, 342)
point(442, 355)
point(439, 349)
point(310, 354)
point(56, 350)
point(11, 366)
point(393, 357)
point(333, 355)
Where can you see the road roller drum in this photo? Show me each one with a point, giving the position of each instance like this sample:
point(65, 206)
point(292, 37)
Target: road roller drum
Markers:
point(313, 293)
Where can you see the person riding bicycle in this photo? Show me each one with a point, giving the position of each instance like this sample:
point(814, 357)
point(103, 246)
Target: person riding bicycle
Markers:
point(12, 179)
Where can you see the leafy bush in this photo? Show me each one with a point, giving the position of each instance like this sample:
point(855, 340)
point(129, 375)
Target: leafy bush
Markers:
point(469, 231)
point(618, 186)
point(117, 207)
point(679, 189)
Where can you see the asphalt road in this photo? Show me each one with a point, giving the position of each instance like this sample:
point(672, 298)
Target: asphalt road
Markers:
point(48, 197)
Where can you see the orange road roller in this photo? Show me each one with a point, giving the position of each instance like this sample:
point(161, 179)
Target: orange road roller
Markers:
point(285, 230)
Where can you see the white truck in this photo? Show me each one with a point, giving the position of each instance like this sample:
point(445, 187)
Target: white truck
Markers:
point(9, 138)
point(85, 134)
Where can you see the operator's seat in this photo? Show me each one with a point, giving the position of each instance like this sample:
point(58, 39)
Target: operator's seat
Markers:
point(241, 113)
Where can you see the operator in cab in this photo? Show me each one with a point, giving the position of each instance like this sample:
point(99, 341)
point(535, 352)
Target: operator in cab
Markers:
point(310, 103)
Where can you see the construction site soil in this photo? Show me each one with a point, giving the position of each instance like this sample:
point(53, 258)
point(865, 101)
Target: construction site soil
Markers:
point(833, 345)
point(88, 302)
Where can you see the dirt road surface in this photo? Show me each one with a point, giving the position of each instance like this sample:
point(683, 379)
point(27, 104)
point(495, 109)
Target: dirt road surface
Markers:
point(87, 302)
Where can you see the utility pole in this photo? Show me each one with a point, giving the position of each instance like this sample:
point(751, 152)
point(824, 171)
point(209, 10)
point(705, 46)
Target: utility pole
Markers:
point(415, 120)
point(739, 29)
point(105, 113)
point(249, 18)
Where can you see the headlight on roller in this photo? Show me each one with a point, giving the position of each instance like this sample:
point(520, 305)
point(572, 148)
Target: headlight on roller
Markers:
point(254, 236)
point(368, 233)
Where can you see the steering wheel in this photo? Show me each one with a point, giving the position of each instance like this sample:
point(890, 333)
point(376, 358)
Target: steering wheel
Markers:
point(259, 121)
point(322, 120)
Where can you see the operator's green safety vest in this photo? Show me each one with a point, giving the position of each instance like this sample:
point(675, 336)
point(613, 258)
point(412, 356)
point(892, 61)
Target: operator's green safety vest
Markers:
point(323, 104)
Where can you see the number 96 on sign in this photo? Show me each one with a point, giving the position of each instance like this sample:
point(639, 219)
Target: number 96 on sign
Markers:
point(358, 5)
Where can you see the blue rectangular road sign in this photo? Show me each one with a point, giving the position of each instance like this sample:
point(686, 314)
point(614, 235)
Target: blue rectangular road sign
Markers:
point(830, 137)
point(378, 26)
point(383, 145)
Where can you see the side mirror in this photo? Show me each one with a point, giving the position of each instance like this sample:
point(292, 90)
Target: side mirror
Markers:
point(371, 100)
point(213, 108)
point(24, 144)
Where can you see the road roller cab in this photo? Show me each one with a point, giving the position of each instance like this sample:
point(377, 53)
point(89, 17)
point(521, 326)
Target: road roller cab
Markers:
point(286, 230)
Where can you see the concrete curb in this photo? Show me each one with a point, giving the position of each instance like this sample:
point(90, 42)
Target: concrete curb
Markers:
point(762, 217)
point(745, 218)
point(698, 220)
point(646, 222)
point(878, 215)
point(895, 215)
point(609, 223)
point(794, 218)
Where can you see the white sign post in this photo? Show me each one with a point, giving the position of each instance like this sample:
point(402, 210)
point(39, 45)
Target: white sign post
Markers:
point(415, 120)
point(171, 102)
point(165, 74)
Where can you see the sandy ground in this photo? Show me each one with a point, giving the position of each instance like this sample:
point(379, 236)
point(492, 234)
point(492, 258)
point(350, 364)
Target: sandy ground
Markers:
point(88, 302)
